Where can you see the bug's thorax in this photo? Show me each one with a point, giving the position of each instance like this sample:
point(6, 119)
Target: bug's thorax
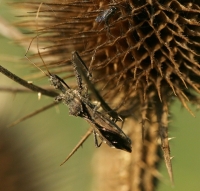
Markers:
point(73, 102)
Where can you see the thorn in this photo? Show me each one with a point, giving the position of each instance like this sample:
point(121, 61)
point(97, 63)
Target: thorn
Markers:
point(31, 114)
point(170, 138)
point(168, 163)
point(163, 131)
point(80, 143)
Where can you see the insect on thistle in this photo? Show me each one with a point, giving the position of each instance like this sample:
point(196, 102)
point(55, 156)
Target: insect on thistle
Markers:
point(79, 105)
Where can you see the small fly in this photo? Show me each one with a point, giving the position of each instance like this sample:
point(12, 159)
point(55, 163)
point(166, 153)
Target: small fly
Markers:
point(79, 105)
point(106, 14)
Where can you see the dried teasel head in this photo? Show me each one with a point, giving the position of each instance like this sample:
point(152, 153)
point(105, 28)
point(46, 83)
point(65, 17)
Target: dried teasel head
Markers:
point(145, 51)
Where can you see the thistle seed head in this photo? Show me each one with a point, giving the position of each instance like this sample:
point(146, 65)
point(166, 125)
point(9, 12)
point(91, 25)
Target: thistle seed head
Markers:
point(142, 55)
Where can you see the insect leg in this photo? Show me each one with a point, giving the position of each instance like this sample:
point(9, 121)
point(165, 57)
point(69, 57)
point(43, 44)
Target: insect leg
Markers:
point(96, 140)
point(96, 107)
point(77, 74)
point(80, 63)
point(59, 98)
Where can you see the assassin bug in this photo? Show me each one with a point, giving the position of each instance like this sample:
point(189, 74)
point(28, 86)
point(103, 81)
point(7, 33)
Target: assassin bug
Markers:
point(79, 105)
point(104, 127)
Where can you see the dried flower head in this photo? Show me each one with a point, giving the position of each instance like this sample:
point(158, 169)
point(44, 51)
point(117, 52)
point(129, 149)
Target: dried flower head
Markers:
point(143, 54)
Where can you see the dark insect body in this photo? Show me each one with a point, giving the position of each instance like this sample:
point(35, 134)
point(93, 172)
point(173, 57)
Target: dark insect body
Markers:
point(79, 105)
point(106, 14)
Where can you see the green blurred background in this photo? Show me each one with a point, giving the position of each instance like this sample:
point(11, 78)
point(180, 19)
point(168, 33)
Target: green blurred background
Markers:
point(36, 147)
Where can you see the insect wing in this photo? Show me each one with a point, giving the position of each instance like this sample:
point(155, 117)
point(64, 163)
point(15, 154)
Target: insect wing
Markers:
point(108, 131)
point(114, 139)
point(82, 68)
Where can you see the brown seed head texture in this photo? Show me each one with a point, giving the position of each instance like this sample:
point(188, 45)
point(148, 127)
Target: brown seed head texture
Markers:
point(142, 56)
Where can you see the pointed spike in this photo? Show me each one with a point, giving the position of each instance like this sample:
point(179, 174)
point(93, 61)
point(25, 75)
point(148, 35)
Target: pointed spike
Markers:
point(31, 114)
point(168, 163)
point(185, 104)
point(163, 131)
point(79, 144)
point(170, 138)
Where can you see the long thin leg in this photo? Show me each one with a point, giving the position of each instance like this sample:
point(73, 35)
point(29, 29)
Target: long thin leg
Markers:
point(79, 62)
point(96, 140)
point(77, 74)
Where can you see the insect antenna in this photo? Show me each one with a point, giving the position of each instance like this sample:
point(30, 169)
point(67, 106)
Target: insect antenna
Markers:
point(36, 37)
point(48, 75)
